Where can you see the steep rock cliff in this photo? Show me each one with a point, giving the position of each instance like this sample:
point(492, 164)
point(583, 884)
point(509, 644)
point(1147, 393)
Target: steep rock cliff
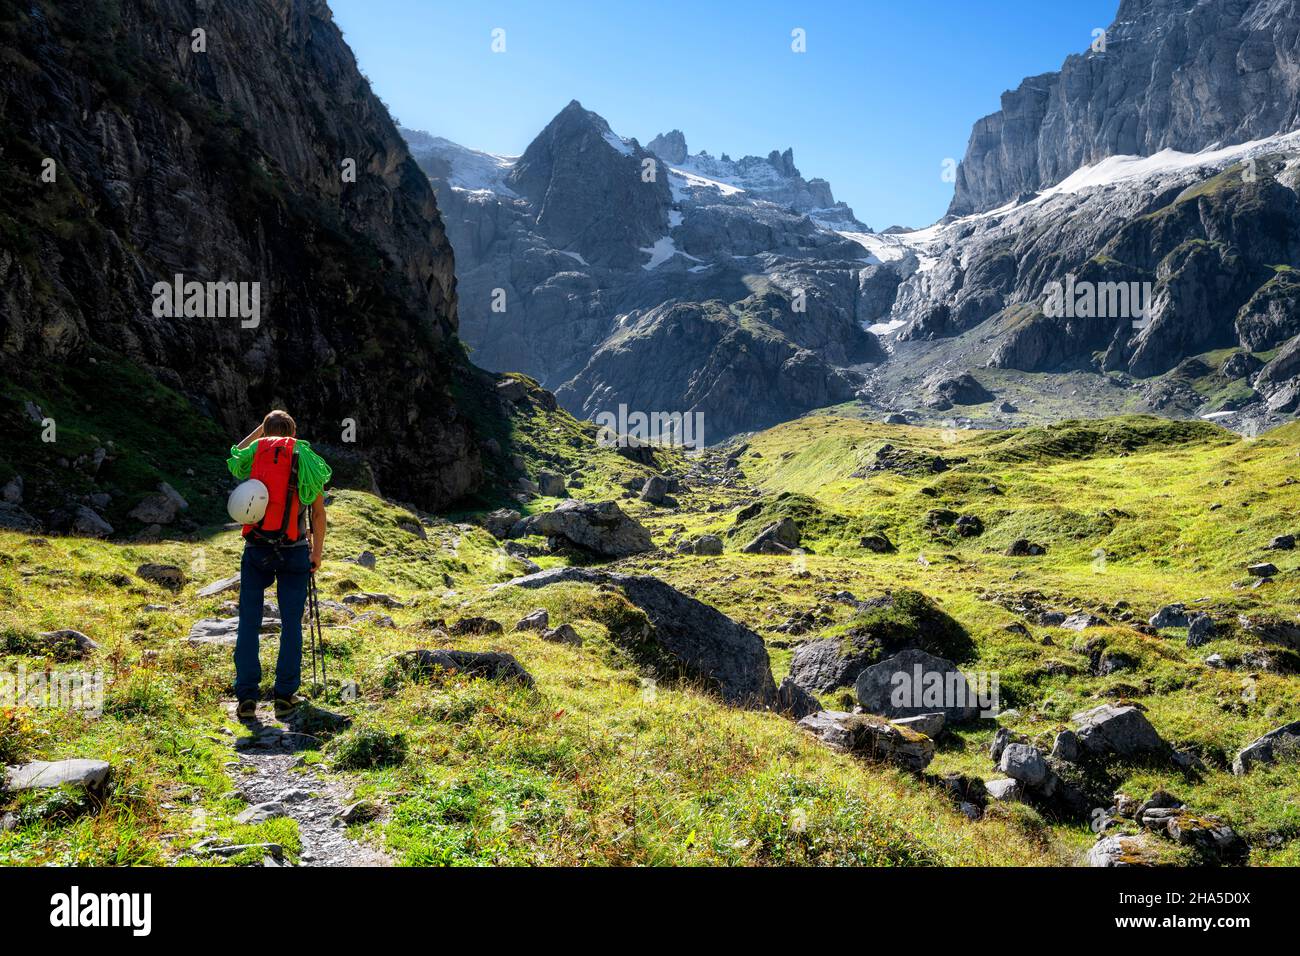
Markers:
point(224, 155)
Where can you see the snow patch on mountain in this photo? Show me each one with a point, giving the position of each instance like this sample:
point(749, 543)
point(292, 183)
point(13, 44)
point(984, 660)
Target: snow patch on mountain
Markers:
point(681, 180)
point(1116, 169)
point(617, 142)
point(472, 170)
point(663, 250)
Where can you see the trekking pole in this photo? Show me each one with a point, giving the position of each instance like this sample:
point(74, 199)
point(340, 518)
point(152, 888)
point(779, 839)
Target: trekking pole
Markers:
point(318, 634)
point(311, 629)
point(313, 615)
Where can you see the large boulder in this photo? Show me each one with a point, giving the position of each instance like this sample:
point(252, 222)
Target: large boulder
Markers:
point(599, 527)
point(655, 490)
point(159, 508)
point(1120, 731)
point(946, 390)
point(870, 737)
point(1171, 615)
point(912, 683)
point(708, 544)
point(828, 663)
point(1123, 851)
point(1025, 763)
point(498, 523)
point(780, 537)
point(551, 485)
point(44, 774)
point(686, 636)
point(14, 518)
point(1024, 548)
point(793, 701)
point(80, 520)
point(1282, 742)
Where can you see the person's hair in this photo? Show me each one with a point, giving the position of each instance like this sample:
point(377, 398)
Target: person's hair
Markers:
point(279, 424)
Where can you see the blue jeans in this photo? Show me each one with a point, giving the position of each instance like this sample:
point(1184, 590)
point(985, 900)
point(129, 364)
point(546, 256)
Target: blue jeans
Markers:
point(290, 569)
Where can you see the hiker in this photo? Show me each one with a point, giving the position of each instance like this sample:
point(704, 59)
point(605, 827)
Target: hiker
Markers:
point(277, 549)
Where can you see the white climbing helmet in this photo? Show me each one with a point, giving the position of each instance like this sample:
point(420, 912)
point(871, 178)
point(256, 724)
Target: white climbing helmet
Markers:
point(247, 503)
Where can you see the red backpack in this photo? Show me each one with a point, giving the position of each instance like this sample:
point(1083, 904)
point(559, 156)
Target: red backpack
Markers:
point(275, 464)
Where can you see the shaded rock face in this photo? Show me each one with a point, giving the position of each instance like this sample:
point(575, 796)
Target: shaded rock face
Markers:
point(227, 165)
point(1180, 253)
point(697, 357)
point(1195, 247)
point(1174, 74)
point(687, 638)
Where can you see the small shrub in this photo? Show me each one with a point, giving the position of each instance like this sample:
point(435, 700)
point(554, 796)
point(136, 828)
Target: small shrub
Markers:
point(16, 734)
point(368, 748)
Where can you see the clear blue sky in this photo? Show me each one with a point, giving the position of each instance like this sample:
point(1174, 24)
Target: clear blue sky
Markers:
point(885, 92)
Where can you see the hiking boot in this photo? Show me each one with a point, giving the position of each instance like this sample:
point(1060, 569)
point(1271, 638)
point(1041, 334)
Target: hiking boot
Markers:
point(285, 706)
point(246, 709)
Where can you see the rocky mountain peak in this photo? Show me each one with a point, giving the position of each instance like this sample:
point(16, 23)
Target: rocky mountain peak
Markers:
point(575, 171)
point(670, 147)
point(783, 163)
point(1173, 74)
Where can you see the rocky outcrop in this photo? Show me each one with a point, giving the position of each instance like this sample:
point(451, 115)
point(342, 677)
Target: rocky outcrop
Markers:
point(703, 358)
point(685, 638)
point(1120, 731)
point(1124, 851)
point(881, 626)
point(233, 164)
point(1284, 742)
point(871, 738)
point(912, 683)
point(599, 527)
point(1145, 90)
